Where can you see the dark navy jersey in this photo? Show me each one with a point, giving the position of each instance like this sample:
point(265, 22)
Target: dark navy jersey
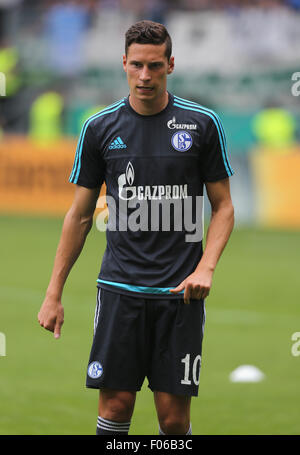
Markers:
point(154, 167)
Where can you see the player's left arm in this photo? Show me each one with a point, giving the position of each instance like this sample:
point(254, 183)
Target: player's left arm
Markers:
point(198, 284)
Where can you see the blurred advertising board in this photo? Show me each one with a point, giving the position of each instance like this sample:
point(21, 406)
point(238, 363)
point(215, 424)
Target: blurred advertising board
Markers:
point(34, 177)
point(277, 187)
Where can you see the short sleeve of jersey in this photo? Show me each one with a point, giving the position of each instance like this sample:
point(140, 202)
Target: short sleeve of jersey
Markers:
point(89, 167)
point(215, 162)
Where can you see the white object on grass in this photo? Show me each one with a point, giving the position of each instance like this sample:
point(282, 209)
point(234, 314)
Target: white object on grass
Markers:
point(246, 373)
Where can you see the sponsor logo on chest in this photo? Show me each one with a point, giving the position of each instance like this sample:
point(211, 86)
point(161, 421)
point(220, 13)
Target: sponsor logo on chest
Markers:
point(148, 192)
point(172, 125)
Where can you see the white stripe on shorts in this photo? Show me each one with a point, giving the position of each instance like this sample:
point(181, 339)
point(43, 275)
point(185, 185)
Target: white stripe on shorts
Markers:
point(97, 310)
point(204, 318)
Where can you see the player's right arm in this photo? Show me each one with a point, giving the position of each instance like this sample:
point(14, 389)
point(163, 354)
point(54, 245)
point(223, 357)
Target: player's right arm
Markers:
point(77, 224)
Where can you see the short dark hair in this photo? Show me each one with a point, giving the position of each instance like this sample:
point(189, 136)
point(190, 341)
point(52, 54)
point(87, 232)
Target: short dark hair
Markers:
point(148, 32)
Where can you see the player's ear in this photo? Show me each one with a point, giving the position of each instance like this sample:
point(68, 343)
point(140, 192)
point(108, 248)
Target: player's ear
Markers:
point(125, 63)
point(171, 65)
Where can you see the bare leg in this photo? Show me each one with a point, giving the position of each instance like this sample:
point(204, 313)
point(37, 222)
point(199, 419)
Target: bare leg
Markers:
point(173, 412)
point(115, 411)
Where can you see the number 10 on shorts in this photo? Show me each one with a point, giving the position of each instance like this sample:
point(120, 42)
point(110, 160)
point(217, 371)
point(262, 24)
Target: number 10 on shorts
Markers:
point(187, 368)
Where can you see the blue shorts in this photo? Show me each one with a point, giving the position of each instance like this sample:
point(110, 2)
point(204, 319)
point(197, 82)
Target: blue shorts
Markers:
point(134, 338)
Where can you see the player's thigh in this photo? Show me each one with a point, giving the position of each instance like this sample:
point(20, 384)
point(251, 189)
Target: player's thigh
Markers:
point(116, 404)
point(172, 407)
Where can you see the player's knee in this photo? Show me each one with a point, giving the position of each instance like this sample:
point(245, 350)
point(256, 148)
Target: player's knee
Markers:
point(174, 424)
point(118, 408)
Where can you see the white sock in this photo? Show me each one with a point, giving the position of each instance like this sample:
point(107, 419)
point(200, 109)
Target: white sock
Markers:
point(108, 427)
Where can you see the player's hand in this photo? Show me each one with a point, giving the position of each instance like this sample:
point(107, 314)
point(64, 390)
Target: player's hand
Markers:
point(195, 286)
point(51, 315)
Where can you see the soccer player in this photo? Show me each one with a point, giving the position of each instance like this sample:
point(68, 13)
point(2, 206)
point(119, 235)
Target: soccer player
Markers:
point(155, 152)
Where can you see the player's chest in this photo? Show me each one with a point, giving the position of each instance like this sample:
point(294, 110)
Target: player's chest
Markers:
point(152, 140)
point(156, 152)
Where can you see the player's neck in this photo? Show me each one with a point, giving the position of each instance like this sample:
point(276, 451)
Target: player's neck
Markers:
point(149, 107)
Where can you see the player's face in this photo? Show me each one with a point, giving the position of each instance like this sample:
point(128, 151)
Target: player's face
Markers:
point(147, 68)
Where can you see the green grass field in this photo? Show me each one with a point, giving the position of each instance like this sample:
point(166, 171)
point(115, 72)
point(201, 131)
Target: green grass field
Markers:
point(252, 312)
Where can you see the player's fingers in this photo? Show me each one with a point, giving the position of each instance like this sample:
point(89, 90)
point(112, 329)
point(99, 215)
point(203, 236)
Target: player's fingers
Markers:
point(41, 318)
point(187, 294)
point(179, 288)
point(204, 292)
point(197, 292)
point(48, 325)
point(57, 328)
